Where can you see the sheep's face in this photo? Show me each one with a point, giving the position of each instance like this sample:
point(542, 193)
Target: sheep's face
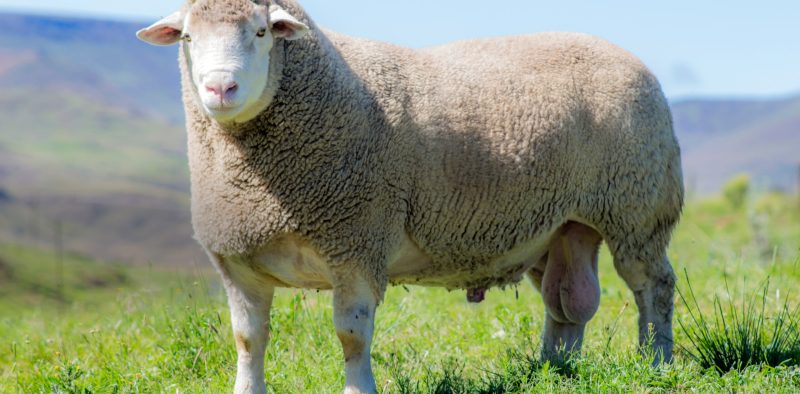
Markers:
point(227, 46)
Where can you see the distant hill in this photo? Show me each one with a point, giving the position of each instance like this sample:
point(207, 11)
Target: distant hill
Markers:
point(116, 179)
point(91, 136)
point(721, 138)
point(98, 59)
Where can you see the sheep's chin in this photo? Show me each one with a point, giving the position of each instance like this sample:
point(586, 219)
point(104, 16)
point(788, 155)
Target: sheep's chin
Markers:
point(224, 115)
point(234, 114)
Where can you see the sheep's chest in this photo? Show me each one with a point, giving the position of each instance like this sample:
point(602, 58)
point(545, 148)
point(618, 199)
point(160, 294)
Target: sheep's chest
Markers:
point(233, 211)
point(287, 261)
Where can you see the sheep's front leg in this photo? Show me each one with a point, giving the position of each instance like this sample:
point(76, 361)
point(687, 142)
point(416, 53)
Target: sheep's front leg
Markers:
point(250, 321)
point(354, 307)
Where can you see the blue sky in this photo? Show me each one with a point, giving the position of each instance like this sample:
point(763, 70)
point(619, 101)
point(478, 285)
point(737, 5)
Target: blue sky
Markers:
point(697, 48)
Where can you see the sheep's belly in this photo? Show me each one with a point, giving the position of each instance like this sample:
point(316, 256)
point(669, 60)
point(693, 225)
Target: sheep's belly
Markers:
point(411, 266)
point(291, 262)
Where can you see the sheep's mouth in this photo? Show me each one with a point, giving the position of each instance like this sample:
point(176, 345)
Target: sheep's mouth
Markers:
point(223, 113)
point(222, 109)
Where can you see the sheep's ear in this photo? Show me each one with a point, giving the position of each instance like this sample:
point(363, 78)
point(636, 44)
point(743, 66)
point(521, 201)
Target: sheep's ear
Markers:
point(284, 25)
point(164, 32)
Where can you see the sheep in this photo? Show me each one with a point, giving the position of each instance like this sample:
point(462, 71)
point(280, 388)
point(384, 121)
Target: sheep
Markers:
point(328, 162)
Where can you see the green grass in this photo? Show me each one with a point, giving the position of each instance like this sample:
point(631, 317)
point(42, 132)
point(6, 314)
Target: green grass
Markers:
point(163, 331)
point(740, 334)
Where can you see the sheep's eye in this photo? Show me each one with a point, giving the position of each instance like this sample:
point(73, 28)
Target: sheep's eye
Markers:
point(261, 32)
point(187, 38)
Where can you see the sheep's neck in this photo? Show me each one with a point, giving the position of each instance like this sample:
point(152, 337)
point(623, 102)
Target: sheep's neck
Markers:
point(302, 157)
point(320, 107)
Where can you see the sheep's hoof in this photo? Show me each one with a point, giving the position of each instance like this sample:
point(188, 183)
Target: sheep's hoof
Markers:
point(476, 296)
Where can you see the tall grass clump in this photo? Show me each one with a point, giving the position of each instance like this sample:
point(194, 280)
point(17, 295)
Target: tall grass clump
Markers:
point(734, 337)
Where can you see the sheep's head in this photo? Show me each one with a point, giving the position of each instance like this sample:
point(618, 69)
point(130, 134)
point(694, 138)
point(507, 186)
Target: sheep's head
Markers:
point(227, 46)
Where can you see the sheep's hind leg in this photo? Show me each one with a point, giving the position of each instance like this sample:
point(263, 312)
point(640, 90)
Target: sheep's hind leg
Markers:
point(354, 305)
point(653, 286)
point(558, 338)
point(567, 279)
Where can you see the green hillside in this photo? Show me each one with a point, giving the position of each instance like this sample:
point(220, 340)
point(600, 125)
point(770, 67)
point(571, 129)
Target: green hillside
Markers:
point(31, 278)
point(58, 138)
point(91, 139)
point(117, 180)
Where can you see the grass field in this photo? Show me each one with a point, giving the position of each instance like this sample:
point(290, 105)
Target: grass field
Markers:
point(115, 329)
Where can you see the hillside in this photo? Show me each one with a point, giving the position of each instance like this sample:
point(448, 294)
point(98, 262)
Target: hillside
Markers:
point(97, 59)
point(117, 181)
point(92, 137)
point(22, 285)
point(721, 138)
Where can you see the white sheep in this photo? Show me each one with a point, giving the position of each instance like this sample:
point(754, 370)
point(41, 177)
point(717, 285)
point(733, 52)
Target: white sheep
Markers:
point(329, 162)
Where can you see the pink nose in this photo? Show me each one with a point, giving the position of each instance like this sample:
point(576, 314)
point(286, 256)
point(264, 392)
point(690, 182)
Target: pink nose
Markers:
point(223, 90)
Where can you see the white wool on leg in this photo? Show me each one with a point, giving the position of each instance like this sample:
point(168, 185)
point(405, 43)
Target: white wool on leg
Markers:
point(653, 286)
point(250, 321)
point(354, 307)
